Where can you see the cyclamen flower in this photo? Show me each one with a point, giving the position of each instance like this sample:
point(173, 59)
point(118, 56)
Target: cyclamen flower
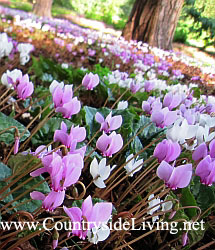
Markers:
point(98, 234)
point(63, 171)
point(51, 201)
point(88, 216)
point(90, 81)
point(24, 87)
point(16, 145)
point(24, 49)
point(172, 100)
point(206, 171)
point(202, 151)
point(133, 165)
point(181, 131)
point(152, 206)
point(110, 123)
point(100, 172)
point(163, 118)
point(64, 101)
point(109, 144)
point(69, 172)
point(122, 105)
point(5, 46)
point(175, 177)
point(10, 77)
point(77, 134)
point(167, 151)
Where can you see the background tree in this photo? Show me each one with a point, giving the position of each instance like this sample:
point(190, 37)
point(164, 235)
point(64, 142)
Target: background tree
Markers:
point(153, 22)
point(43, 8)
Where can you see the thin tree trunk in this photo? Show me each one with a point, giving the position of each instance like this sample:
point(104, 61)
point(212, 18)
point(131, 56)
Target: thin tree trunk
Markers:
point(153, 22)
point(43, 8)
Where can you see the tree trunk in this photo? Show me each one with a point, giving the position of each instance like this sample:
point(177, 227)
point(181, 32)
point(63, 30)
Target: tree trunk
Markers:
point(43, 8)
point(153, 22)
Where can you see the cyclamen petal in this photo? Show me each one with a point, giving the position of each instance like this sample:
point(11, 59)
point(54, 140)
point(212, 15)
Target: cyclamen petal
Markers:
point(167, 150)
point(180, 177)
point(200, 152)
point(51, 201)
point(90, 81)
point(175, 177)
point(110, 123)
point(109, 144)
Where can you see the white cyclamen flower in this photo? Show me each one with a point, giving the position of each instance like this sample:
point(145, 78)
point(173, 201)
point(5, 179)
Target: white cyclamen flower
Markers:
point(132, 166)
point(24, 49)
point(122, 105)
point(14, 75)
point(153, 203)
point(99, 172)
point(5, 46)
point(98, 234)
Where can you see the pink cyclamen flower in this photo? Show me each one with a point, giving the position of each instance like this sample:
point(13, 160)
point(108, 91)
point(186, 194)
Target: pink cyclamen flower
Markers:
point(206, 171)
point(77, 134)
point(16, 145)
point(52, 164)
point(109, 144)
point(90, 81)
point(88, 216)
point(163, 118)
point(172, 100)
point(175, 177)
point(167, 151)
point(69, 173)
point(51, 201)
point(64, 101)
point(63, 171)
point(24, 87)
point(55, 243)
point(110, 123)
point(184, 238)
point(202, 151)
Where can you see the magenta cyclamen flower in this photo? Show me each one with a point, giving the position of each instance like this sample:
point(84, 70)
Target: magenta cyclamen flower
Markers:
point(110, 123)
point(77, 134)
point(69, 172)
point(163, 118)
point(90, 81)
point(202, 151)
point(172, 101)
point(167, 151)
point(16, 145)
point(109, 144)
point(63, 171)
point(175, 177)
point(64, 101)
point(24, 87)
point(51, 201)
point(206, 171)
point(88, 216)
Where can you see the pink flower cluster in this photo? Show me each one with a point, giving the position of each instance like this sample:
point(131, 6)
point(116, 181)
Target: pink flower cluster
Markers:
point(63, 99)
point(109, 144)
point(19, 82)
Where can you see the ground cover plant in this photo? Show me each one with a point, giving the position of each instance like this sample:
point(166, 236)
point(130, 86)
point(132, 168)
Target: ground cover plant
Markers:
point(115, 137)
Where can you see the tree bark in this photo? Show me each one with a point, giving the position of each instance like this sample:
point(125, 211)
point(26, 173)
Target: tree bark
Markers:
point(153, 22)
point(43, 8)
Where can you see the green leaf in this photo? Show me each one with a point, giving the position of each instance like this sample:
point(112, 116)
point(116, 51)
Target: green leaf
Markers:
point(17, 161)
point(204, 195)
point(8, 135)
point(187, 199)
point(32, 205)
point(5, 172)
